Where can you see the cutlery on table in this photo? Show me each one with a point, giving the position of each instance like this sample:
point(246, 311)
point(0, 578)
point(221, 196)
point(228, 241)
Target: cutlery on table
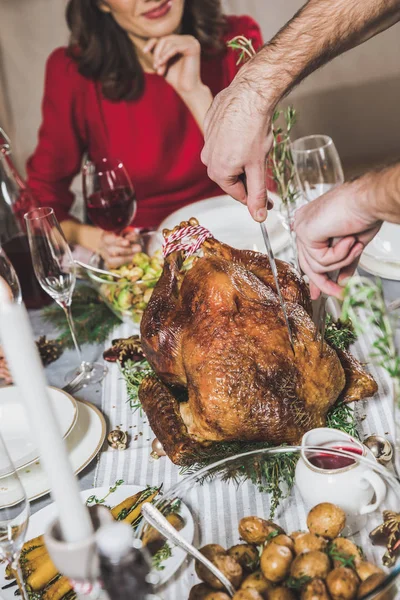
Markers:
point(157, 520)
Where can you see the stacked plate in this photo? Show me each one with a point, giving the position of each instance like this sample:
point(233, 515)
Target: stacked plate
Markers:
point(382, 256)
point(81, 424)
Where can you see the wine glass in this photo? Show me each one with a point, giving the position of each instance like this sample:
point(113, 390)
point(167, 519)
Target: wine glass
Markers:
point(109, 195)
point(317, 164)
point(8, 274)
point(55, 270)
point(14, 515)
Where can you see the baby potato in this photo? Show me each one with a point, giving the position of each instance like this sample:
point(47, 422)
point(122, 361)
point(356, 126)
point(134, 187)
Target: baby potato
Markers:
point(227, 565)
point(283, 540)
point(275, 562)
point(249, 594)
point(199, 592)
point(371, 583)
point(345, 548)
point(305, 542)
point(246, 555)
point(315, 590)
point(212, 552)
point(310, 564)
point(366, 569)
point(254, 530)
point(257, 581)
point(342, 584)
point(217, 596)
point(327, 520)
point(281, 593)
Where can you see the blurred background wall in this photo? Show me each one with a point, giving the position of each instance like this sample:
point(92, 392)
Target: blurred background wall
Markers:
point(355, 99)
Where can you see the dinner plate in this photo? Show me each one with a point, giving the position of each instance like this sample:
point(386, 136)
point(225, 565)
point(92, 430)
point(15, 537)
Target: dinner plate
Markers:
point(39, 522)
point(230, 222)
point(83, 444)
point(382, 256)
point(15, 428)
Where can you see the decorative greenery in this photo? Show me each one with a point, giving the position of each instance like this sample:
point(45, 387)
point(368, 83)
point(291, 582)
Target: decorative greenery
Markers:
point(339, 334)
point(94, 500)
point(163, 554)
point(341, 416)
point(93, 319)
point(134, 373)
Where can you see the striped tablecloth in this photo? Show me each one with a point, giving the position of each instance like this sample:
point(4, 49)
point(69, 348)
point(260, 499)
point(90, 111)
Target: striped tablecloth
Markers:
point(135, 466)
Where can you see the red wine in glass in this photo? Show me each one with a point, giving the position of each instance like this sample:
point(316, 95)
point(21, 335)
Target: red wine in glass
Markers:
point(109, 195)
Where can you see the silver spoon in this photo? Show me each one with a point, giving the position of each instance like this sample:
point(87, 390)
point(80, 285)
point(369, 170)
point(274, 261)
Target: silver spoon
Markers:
point(155, 518)
point(97, 270)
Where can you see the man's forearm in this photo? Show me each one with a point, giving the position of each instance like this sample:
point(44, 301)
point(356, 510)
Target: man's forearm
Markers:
point(381, 194)
point(320, 31)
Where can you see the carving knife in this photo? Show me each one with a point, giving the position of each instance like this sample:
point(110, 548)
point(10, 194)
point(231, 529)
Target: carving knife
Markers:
point(274, 270)
point(321, 318)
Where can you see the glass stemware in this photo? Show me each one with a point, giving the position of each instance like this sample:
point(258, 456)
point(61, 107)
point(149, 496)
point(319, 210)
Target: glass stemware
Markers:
point(55, 270)
point(109, 195)
point(14, 515)
point(318, 166)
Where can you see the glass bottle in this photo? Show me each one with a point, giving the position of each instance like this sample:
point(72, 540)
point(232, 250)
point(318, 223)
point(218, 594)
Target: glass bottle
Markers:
point(124, 569)
point(15, 200)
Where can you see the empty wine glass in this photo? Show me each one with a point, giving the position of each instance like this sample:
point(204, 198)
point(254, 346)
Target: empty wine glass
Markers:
point(318, 166)
point(55, 270)
point(109, 195)
point(14, 515)
point(8, 274)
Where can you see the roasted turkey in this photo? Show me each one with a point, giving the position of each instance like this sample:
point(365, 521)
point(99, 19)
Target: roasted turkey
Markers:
point(216, 338)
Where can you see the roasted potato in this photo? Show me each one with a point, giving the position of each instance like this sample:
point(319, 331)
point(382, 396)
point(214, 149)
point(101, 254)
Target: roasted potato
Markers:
point(246, 555)
point(217, 596)
point(314, 564)
point(315, 590)
point(305, 542)
point(275, 562)
point(281, 593)
point(371, 583)
point(283, 540)
point(344, 548)
point(257, 581)
point(199, 591)
point(249, 594)
point(342, 584)
point(366, 569)
point(254, 530)
point(327, 520)
point(225, 563)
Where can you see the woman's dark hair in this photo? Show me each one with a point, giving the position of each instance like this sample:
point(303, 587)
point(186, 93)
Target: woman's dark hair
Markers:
point(104, 52)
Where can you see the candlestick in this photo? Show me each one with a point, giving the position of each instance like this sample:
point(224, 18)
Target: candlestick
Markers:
point(25, 365)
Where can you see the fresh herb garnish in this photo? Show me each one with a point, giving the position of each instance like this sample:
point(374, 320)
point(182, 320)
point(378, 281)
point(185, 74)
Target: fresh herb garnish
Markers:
point(134, 373)
point(344, 559)
point(162, 555)
point(339, 334)
point(94, 500)
point(297, 583)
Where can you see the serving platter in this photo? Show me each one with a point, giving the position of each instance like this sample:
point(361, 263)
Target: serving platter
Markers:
point(39, 522)
point(83, 445)
point(230, 222)
point(15, 428)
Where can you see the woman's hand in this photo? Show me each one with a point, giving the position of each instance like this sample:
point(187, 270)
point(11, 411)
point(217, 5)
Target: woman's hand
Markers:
point(5, 375)
point(177, 58)
point(117, 250)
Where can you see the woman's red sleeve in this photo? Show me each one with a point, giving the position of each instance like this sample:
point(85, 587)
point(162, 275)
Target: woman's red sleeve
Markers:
point(58, 155)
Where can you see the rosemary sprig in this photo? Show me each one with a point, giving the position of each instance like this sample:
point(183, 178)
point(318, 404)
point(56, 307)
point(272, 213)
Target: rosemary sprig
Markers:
point(341, 416)
point(134, 373)
point(344, 559)
point(162, 555)
point(94, 500)
point(297, 583)
point(339, 334)
point(93, 319)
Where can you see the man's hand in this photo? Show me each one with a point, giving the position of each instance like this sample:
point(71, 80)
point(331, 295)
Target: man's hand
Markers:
point(341, 213)
point(238, 138)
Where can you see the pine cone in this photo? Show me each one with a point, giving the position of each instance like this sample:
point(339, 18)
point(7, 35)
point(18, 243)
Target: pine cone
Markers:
point(49, 350)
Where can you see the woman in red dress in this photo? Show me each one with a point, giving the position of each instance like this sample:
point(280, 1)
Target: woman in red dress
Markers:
point(134, 84)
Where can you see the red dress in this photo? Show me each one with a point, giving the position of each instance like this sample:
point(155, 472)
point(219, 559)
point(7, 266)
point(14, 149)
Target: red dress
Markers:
point(156, 136)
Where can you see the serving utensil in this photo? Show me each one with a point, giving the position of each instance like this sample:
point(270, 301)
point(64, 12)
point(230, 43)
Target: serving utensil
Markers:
point(97, 270)
point(157, 520)
point(274, 270)
point(321, 315)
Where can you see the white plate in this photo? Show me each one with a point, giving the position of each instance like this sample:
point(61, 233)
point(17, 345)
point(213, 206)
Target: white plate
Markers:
point(39, 522)
point(230, 222)
point(382, 256)
point(83, 444)
point(15, 428)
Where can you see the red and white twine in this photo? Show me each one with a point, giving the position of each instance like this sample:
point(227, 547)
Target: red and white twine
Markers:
point(189, 239)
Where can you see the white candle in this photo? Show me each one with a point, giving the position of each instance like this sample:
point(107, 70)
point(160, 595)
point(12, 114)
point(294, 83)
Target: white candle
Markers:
point(26, 368)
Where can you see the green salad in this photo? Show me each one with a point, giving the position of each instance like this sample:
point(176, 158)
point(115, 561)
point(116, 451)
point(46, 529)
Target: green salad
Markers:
point(131, 294)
